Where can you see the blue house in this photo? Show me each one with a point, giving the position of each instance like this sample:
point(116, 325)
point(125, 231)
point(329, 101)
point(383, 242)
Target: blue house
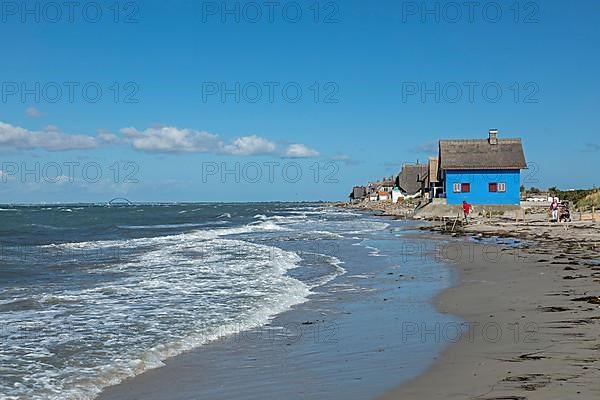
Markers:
point(485, 171)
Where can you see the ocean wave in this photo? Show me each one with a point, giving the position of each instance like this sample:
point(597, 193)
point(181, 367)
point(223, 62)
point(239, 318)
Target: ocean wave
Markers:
point(234, 285)
point(375, 252)
point(19, 305)
point(51, 227)
point(163, 226)
point(166, 295)
point(347, 227)
point(370, 226)
point(54, 299)
point(338, 270)
point(169, 239)
point(325, 211)
point(319, 235)
point(281, 219)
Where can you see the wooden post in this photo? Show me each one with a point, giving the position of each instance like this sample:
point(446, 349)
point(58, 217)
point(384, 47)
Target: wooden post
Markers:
point(455, 221)
point(593, 214)
point(521, 214)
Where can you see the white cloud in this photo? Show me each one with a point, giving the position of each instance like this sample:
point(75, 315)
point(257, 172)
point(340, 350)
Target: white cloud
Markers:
point(300, 151)
point(48, 139)
point(345, 159)
point(33, 112)
point(108, 137)
point(250, 145)
point(52, 128)
point(169, 139)
point(162, 139)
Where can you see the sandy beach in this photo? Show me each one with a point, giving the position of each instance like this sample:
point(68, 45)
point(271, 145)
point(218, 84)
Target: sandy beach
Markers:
point(531, 312)
point(528, 294)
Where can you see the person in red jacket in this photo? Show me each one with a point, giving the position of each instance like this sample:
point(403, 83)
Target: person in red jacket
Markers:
point(466, 210)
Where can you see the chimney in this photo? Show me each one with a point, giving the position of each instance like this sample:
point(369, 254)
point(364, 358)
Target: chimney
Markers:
point(493, 136)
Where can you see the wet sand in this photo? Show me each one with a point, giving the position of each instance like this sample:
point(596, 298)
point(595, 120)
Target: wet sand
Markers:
point(532, 318)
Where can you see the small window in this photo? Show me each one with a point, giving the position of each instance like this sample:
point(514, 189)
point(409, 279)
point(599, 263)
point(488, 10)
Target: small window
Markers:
point(465, 187)
point(502, 187)
point(493, 187)
point(456, 188)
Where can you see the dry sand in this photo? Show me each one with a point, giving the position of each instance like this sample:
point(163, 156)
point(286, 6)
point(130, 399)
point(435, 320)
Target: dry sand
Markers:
point(532, 317)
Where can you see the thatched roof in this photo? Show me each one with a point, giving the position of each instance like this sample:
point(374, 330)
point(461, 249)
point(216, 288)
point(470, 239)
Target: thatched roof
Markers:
point(433, 170)
point(409, 179)
point(358, 192)
point(480, 154)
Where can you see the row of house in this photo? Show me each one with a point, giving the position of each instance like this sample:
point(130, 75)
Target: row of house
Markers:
point(479, 171)
point(374, 191)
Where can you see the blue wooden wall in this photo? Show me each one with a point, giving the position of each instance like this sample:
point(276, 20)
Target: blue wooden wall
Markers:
point(479, 180)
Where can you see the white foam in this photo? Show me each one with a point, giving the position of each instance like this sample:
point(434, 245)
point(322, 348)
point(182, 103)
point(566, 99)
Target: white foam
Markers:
point(161, 226)
point(375, 252)
point(168, 239)
point(57, 228)
point(171, 293)
point(257, 273)
point(326, 234)
point(360, 276)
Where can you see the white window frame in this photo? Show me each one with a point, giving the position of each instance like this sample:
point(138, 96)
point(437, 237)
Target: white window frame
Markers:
point(501, 187)
point(457, 187)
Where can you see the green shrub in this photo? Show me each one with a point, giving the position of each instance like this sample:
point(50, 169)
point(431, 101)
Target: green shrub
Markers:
point(589, 201)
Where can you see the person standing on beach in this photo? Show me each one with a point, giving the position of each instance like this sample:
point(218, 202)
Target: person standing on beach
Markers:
point(554, 210)
point(466, 210)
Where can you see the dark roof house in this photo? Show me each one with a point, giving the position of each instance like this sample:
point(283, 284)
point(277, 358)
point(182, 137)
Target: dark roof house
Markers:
point(358, 193)
point(385, 183)
point(409, 179)
point(431, 176)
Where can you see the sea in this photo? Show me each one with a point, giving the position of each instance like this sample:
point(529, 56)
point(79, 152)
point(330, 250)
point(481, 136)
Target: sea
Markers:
point(93, 294)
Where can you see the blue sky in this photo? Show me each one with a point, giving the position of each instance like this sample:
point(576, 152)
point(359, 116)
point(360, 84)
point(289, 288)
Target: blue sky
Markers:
point(181, 118)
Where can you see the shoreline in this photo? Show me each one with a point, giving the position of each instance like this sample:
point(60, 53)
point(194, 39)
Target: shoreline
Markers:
point(547, 347)
point(531, 314)
point(344, 341)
